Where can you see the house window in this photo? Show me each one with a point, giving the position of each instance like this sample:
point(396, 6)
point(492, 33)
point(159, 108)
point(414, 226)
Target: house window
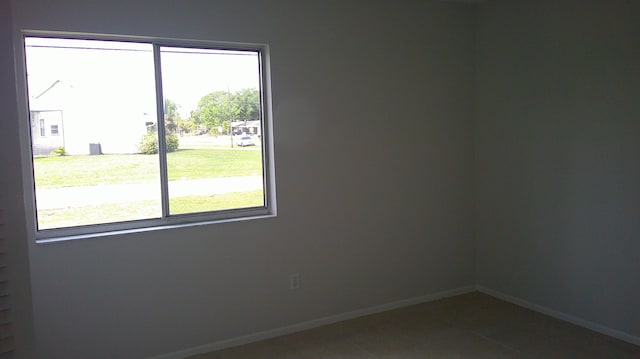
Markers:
point(163, 114)
point(42, 128)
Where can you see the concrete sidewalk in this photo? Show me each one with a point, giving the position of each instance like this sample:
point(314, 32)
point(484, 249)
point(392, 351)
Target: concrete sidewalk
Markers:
point(63, 197)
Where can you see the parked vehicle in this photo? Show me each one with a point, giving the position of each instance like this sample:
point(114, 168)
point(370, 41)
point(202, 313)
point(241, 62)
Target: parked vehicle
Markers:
point(245, 141)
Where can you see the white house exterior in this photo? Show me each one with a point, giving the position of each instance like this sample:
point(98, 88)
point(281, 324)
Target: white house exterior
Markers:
point(66, 116)
point(247, 127)
point(47, 131)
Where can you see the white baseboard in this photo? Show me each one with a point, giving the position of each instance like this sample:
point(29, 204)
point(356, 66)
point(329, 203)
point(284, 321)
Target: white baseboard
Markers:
point(562, 316)
point(267, 334)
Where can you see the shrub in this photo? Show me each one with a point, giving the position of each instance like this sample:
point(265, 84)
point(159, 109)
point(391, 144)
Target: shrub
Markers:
point(149, 143)
point(59, 152)
point(172, 142)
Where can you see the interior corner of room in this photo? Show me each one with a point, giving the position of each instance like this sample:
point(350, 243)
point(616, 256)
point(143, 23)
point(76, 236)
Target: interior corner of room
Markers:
point(422, 149)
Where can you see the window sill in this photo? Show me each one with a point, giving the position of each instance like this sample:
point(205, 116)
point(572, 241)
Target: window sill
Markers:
point(130, 231)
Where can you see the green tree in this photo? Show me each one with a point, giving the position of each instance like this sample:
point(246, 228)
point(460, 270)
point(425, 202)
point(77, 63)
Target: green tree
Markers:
point(213, 110)
point(188, 126)
point(218, 108)
point(248, 102)
point(171, 116)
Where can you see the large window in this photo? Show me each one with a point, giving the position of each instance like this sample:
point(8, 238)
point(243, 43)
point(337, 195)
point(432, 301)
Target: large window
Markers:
point(154, 133)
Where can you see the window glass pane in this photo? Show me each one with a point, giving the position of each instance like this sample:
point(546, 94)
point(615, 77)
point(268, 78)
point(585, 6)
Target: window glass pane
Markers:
point(98, 99)
point(212, 111)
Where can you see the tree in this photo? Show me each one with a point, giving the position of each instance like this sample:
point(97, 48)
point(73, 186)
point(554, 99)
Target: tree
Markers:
point(218, 108)
point(171, 115)
point(188, 126)
point(213, 110)
point(248, 101)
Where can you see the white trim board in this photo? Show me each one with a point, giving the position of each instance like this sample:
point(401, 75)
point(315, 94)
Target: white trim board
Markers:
point(289, 329)
point(562, 316)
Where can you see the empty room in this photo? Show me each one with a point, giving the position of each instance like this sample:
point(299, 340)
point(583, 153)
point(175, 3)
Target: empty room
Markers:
point(319, 179)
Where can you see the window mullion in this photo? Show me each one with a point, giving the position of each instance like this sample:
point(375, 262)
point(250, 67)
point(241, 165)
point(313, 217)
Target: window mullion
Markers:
point(102, 195)
point(162, 148)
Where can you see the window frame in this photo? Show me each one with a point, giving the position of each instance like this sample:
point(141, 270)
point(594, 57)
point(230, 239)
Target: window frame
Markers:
point(167, 220)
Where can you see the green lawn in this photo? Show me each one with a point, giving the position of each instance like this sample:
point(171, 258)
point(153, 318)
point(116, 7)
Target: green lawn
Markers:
point(135, 168)
point(75, 171)
point(109, 213)
point(216, 202)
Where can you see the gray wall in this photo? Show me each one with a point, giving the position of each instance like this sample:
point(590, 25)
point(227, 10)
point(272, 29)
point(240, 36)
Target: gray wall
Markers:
point(558, 156)
point(373, 150)
point(374, 135)
point(13, 230)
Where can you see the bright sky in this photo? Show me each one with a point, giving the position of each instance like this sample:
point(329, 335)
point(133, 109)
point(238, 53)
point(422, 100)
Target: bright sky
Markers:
point(186, 76)
point(120, 75)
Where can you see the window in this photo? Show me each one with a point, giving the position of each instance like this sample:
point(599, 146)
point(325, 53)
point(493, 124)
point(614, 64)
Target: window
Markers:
point(42, 128)
point(148, 133)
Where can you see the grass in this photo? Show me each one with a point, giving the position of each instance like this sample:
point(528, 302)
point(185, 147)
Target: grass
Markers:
point(75, 171)
point(98, 214)
point(72, 171)
point(109, 213)
point(192, 164)
point(191, 204)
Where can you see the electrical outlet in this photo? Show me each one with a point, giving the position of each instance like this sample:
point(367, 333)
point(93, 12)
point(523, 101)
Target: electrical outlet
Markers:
point(294, 281)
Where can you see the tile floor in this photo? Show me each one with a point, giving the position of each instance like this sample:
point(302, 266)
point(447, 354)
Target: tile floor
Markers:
point(471, 325)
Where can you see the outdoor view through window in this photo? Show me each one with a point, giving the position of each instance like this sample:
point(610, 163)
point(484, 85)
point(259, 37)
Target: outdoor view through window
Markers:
point(96, 135)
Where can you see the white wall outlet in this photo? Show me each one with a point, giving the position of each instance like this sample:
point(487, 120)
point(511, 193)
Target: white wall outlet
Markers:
point(294, 281)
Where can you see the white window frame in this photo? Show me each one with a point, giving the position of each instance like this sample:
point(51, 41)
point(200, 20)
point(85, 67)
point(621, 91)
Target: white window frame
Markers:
point(166, 221)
